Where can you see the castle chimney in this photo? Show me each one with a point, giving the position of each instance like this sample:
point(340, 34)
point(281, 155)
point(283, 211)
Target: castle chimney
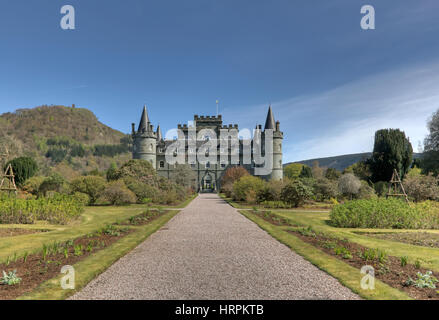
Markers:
point(133, 127)
point(277, 125)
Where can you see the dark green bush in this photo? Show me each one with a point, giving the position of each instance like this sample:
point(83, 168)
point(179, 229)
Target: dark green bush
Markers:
point(90, 185)
point(295, 193)
point(116, 193)
point(385, 213)
point(24, 168)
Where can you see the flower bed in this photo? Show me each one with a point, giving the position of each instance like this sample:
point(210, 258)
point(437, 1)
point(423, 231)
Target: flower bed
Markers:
point(36, 268)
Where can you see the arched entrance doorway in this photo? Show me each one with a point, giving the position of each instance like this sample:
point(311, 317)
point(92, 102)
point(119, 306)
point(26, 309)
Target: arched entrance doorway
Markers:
point(207, 183)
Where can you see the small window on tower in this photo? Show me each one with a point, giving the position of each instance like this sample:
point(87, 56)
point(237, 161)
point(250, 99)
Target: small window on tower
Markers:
point(162, 164)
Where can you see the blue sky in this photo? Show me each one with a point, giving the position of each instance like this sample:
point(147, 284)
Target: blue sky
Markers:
point(331, 84)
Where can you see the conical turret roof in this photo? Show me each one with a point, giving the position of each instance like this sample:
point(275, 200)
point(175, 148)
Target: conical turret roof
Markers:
point(159, 133)
point(144, 119)
point(269, 123)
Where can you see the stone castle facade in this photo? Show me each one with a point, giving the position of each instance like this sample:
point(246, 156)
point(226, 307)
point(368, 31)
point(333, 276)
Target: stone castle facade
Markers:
point(150, 145)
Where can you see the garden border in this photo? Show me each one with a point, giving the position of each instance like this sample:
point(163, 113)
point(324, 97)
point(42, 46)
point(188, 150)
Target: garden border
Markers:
point(346, 274)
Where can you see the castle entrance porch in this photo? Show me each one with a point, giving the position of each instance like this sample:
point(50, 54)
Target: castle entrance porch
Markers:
point(207, 183)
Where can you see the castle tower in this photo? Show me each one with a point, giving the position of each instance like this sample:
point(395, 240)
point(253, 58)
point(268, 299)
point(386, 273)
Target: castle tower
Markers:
point(144, 140)
point(277, 173)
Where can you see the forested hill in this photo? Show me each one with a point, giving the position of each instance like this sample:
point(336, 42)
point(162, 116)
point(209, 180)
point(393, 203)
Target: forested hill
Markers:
point(341, 162)
point(66, 138)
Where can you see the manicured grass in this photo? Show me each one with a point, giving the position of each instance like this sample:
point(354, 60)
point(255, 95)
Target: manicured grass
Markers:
point(429, 257)
point(346, 274)
point(91, 220)
point(88, 269)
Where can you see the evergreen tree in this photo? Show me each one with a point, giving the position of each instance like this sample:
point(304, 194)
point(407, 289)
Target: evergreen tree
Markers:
point(392, 150)
point(293, 170)
point(24, 168)
point(112, 172)
point(306, 172)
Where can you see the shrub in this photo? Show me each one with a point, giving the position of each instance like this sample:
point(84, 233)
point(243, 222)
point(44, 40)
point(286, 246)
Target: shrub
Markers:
point(183, 175)
point(141, 190)
point(59, 209)
point(141, 170)
point(295, 193)
point(306, 172)
point(90, 185)
point(332, 174)
point(112, 172)
point(421, 188)
point(81, 198)
point(24, 168)
point(247, 185)
point(117, 193)
point(230, 176)
point(366, 191)
point(270, 192)
point(32, 185)
point(349, 185)
point(325, 189)
point(227, 189)
point(384, 213)
point(293, 170)
point(55, 182)
point(381, 188)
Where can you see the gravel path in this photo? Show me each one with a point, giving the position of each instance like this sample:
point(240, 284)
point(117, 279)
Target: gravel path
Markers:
point(210, 251)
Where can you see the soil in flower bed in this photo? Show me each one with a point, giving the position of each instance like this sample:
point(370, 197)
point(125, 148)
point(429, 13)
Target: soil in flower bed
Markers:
point(36, 268)
point(272, 218)
point(390, 272)
point(144, 218)
point(11, 232)
point(424, 239)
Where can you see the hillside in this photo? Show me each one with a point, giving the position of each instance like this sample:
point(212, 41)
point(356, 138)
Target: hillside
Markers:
point(65, 139)
point(341, 162)
point(338, 162)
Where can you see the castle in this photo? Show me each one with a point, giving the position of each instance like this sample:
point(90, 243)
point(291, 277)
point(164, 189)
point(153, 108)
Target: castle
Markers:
point(150, 145)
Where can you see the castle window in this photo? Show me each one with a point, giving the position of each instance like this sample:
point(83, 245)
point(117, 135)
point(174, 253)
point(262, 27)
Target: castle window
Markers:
point(223, 165)
point(162, 164)
point(208, 165)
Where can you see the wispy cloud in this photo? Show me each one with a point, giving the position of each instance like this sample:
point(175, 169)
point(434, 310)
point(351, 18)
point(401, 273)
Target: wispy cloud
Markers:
point(344, 120)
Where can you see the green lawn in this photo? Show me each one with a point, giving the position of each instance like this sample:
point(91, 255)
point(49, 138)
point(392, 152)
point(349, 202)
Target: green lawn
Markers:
point(349, 276)
point(91, 220)
point(86, 270)
point(429, 257)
